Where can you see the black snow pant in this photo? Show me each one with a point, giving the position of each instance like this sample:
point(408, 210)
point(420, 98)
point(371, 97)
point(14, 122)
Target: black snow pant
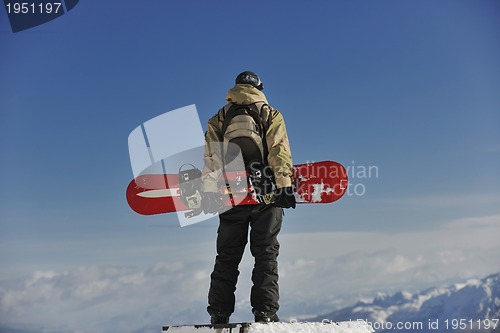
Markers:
point(265, 224)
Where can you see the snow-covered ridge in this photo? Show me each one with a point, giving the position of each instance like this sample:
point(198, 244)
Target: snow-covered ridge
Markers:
point(304, 327)
point(474, 304)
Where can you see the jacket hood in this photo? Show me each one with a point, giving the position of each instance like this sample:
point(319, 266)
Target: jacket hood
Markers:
point(245, 94)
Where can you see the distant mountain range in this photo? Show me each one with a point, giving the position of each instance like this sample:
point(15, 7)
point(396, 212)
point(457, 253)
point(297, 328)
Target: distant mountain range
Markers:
point(473, 306)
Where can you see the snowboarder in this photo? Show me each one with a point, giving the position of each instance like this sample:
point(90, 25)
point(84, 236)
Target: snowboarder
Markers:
point(267, 145)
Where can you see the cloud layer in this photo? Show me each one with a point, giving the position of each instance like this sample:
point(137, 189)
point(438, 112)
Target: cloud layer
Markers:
point(319, 272)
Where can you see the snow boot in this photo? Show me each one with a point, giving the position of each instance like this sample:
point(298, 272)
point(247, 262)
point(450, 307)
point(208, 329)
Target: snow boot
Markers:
point(219, 319)
point(263, 317)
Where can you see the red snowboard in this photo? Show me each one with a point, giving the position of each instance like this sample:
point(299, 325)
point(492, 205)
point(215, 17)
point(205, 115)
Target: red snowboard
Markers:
point(317, 182)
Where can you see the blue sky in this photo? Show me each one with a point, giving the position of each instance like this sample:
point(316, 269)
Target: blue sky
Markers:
point(408, 87)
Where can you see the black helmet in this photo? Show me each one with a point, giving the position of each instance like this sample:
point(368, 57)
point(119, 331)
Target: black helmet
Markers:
point(248, 77)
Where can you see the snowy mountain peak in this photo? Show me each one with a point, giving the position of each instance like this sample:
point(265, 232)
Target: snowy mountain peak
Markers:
point(394, 299)
point(475, 302)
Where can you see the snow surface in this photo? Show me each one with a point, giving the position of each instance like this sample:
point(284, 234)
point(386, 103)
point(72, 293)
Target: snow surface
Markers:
point(306, 327)
point(342, 327)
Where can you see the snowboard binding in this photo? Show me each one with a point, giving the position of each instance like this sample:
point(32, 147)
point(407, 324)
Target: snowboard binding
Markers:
point(261, 180)
point(190, 186)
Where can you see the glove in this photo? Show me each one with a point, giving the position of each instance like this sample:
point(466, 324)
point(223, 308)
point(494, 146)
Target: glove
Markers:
point(285, 198)
point(211, 202)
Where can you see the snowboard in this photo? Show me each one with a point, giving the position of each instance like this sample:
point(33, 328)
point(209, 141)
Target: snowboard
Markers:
point(218, 328)
point(315, 182)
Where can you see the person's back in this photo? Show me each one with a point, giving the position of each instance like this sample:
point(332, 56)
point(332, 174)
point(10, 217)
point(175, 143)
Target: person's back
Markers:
point(263, 219)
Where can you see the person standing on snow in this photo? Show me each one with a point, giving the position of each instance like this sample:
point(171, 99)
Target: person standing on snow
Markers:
point(263, 219)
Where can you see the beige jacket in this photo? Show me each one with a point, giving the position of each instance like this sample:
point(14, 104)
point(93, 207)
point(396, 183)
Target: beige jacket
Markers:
point(279, 158)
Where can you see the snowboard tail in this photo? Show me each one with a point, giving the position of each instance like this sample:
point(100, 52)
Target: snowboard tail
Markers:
point(316, 182)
